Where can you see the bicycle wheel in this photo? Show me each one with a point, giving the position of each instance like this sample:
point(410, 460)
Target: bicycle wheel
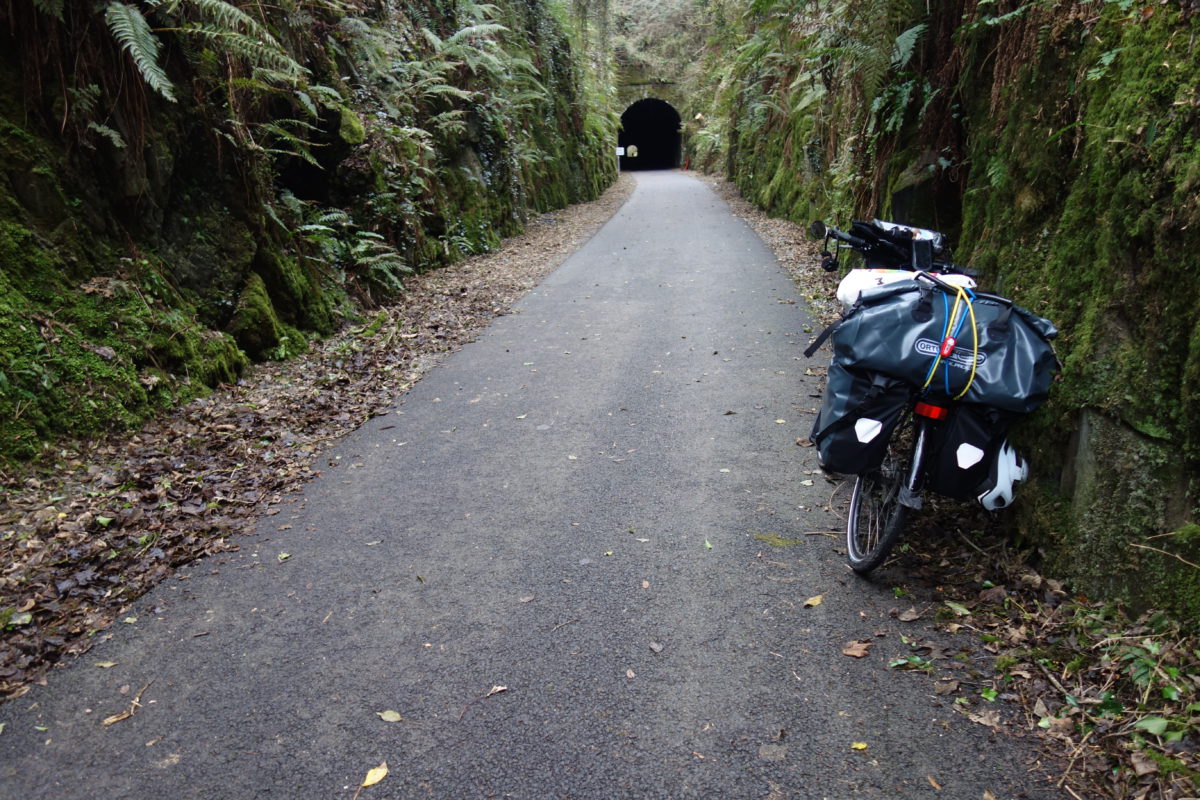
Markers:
point(876, 514)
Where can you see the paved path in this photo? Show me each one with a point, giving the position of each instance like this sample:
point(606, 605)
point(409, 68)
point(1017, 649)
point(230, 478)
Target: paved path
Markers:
point(577, 508)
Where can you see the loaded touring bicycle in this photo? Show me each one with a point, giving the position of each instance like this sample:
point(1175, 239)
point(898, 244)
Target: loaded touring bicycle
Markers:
point(927, 376)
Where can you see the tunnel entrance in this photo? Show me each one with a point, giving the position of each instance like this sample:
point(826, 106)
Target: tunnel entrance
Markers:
point(650, 135)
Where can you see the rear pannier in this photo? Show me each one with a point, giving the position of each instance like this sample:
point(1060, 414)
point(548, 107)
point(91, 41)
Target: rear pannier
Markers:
point(858, 415)
point(963, 448)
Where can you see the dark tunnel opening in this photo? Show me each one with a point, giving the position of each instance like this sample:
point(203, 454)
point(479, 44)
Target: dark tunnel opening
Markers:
point(650, 136)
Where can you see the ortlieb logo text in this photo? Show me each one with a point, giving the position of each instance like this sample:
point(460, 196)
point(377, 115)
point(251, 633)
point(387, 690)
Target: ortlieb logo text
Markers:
point(961, 357)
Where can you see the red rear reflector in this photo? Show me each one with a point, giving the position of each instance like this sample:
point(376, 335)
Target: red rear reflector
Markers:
point(931, 411)
point(948, 346)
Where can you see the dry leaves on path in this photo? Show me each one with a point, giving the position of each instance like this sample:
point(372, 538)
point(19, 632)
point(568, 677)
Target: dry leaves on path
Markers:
point(95, 524)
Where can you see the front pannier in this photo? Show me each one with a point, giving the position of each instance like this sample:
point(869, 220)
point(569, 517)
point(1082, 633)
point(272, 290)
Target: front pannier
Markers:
point(858, 415)
point(899, 330)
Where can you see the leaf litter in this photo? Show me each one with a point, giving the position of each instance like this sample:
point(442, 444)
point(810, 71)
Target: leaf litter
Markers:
point(92, 525)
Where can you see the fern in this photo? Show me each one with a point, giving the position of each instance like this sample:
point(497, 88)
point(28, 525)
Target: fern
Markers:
point(133, 33)
point(113, 137)
point(256, 51)
point(474, 32)
point(52, 7)
point(905, 44)
point(295, 146)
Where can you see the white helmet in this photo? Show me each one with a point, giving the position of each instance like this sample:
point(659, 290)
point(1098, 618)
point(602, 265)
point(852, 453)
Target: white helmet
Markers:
point(1007, 468)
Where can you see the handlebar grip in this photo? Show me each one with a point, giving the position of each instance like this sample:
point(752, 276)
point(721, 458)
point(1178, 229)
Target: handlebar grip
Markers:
point(854, 241)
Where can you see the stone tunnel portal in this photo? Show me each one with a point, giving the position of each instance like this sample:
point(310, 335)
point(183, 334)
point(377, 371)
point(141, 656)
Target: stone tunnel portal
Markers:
point(650, 135)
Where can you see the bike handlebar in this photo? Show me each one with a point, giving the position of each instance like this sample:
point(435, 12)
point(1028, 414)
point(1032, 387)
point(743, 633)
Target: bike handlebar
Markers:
point(883, 249)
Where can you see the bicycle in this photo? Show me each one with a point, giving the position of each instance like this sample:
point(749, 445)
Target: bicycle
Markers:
point(884, 417)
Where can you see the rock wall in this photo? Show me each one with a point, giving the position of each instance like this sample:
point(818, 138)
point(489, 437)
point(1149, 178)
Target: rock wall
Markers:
point(1059, 145)
point(185, 187)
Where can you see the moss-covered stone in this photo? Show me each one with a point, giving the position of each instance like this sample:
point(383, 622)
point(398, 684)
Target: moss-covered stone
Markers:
point(255, 326)
point(350, 128)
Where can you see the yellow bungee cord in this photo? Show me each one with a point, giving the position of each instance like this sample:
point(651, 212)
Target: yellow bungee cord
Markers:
point(961, 299)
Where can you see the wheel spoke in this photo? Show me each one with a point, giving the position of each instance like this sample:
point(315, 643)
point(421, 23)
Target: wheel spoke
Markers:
point(876, 514)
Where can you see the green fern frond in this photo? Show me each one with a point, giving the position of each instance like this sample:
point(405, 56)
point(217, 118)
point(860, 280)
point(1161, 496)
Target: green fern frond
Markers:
point(905, 44)
point(231, 18)
point(446, 90)
point(434, 40)
point(113, 137)
point(52, 7)
point(475, 32)
point(252, 50)
point(133, 33)
point(307, 104)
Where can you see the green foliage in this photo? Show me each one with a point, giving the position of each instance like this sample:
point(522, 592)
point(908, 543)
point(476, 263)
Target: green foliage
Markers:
point(131, 30)
point(350, 252)
point(415, 134)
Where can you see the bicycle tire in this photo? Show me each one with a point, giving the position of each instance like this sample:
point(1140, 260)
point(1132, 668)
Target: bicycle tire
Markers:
point(877, 516)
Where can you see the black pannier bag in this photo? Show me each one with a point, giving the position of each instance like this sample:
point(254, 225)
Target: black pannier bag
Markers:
point(963, 447)
point(897, 329)
point(859, 413)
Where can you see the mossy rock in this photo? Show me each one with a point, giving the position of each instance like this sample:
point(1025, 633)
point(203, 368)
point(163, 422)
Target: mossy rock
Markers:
point(257, 328)
point(350, 127)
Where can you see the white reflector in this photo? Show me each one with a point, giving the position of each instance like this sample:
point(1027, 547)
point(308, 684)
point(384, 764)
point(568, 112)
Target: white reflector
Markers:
point(968, 455)
point(867, 429)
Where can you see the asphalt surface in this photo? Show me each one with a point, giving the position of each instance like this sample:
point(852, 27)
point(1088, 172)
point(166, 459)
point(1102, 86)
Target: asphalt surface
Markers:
point(558, 561)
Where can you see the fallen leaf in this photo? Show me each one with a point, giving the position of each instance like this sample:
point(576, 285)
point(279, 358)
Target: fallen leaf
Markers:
point(958, 608)
point(375, 775)
point(933, 783)
point(987, 795)
point(945, 687)
point(857, 649)
point(858, 745)
point(780, 421)
point(912, 615)
point(527, 598)
point(1142, 763)
point(630, 673)
point(389, 716)
point(708, 544)
point(105, 664)
point(21, 619)
point(283, 557)
point(724, 470)
point(989, 718)
point(806, 482)
point(814, 601)
point(656, 647)
point(496, 690)
point(372, 544)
